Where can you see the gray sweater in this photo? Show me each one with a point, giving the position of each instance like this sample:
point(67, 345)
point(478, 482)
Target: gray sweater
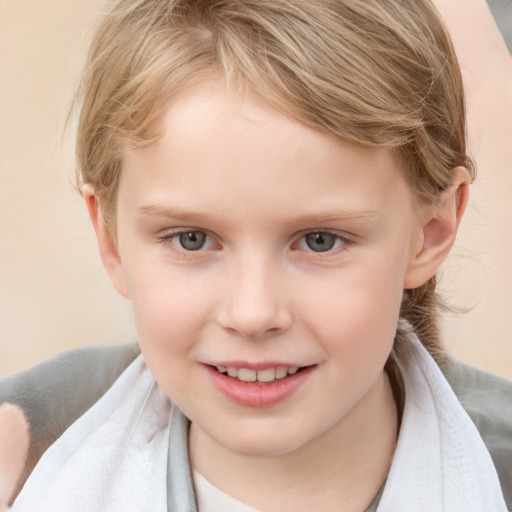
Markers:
point(55, 393)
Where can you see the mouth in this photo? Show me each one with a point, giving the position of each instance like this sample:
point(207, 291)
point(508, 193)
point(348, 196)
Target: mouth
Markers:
point(262, 386)
point(265, 376)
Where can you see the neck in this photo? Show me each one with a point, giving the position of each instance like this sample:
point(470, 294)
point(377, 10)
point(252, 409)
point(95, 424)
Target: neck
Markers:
point(346, 464)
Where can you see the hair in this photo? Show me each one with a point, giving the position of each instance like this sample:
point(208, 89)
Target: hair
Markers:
point(374, 73)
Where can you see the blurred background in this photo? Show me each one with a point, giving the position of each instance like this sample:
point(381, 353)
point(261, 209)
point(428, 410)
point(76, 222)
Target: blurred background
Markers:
point(54, 293)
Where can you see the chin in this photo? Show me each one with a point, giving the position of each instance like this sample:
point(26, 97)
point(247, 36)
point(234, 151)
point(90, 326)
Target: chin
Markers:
point(254, 441)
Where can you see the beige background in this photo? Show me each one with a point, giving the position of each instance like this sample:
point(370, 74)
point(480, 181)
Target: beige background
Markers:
point(54, 293)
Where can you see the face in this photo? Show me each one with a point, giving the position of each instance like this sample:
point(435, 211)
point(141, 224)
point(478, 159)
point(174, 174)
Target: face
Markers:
point(265, 263)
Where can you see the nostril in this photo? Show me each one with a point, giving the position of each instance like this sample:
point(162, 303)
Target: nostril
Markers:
point(254, 311)
point(255, 328)
point(255, 334)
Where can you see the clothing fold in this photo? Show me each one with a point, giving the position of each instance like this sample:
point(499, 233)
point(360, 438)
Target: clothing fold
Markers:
point(441, 463)
point(129, 451)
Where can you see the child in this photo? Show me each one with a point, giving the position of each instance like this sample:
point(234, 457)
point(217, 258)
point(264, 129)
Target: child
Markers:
point(274, 186)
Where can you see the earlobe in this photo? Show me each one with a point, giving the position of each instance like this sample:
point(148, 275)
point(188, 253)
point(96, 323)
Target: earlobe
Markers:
point(438, 230)
point(108, 250)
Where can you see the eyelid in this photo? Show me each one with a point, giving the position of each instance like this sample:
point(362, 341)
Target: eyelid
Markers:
point(168, 240)
point(345, 240)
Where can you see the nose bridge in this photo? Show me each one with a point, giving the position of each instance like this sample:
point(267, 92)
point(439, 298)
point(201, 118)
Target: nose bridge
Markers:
point(255, 304)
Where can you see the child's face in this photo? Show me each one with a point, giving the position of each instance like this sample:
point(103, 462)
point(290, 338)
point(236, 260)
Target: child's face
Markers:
point(294, 251)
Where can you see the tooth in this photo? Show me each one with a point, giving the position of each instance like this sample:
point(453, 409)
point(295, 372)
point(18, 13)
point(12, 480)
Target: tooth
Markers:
point(267, 375)
point(281, 372)
point(293, 370)
point(221, 369)
point(232, 372)
point(246, 375)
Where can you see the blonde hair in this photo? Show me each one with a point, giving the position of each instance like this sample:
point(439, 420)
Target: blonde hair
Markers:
point(371, 72)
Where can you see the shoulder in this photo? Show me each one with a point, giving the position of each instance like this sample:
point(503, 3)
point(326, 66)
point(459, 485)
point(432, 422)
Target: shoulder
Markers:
point(487, 399)
point(502, 13)
point(53, 394)
point(63, 388)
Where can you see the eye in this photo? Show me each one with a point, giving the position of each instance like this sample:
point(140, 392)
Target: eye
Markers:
point(189, 240)
point(192, 240)
point(320, 241)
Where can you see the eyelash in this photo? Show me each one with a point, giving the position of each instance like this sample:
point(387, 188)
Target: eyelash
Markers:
point(342, 243)
point(168, 240)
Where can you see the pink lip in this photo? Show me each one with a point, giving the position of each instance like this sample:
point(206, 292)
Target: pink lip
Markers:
point(252, 366)
point(252, 394)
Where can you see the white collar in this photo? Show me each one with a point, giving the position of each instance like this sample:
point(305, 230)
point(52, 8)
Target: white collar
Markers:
point(112, 459)
point(440, 462)
point(115, 457)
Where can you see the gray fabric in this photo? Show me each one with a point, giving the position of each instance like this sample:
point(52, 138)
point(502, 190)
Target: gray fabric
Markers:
point(488, 401)
point(375, 502)
point(180, 489)
point(57, 392)
point(502, 12)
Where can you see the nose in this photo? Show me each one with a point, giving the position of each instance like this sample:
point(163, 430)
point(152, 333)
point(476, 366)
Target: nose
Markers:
point(255, 301)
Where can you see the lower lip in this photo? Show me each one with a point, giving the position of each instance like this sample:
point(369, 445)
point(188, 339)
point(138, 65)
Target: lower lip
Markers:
point(252, 394)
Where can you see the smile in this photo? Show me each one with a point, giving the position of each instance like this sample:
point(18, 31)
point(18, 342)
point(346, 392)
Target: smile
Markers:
point(264, 387)
point(263, 376)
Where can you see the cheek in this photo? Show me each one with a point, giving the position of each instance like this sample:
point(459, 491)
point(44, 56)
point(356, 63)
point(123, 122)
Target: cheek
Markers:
point(170, 307)
point(171, 317)
point(356, 312)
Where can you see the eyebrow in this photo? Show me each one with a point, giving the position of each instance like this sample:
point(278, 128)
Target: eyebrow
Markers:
point(333, 215)
point(184, 215)
point(173, 212)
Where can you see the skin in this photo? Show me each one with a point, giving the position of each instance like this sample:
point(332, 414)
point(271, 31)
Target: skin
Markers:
point(14, 447)
point(256, 183)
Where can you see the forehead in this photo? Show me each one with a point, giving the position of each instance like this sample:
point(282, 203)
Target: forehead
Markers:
point(217, 146)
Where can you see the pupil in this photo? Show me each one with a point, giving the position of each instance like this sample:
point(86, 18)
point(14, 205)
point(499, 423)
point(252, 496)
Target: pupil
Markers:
point(320, 242)
point(192, 241)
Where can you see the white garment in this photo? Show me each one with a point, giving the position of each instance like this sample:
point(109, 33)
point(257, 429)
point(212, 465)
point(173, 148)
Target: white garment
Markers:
point(112, 459)
point(441, 463)
point(212, 499)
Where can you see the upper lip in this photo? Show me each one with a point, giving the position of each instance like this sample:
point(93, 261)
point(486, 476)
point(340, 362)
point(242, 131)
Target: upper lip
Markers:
point(256, 366)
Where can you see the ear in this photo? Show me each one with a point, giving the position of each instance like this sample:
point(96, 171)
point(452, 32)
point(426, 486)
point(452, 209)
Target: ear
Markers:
point(108, 249)
point(438, 229)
